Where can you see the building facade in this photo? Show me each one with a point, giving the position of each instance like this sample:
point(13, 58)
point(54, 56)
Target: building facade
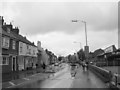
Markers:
point(106, 58)
point(0, 48)
point(9, 49)
point(27, 57)
point(18, 53)
point(43, 56)
point(0, 40)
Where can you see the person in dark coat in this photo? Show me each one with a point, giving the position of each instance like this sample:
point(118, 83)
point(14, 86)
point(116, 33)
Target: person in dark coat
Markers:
point(83, 65)
point(87, 63)
point(44, 66)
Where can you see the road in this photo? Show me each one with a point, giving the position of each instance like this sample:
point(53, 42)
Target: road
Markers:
point(63, 79)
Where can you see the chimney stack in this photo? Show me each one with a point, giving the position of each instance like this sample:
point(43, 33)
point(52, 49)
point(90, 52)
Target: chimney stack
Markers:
point(16, 30)
point(1, 20)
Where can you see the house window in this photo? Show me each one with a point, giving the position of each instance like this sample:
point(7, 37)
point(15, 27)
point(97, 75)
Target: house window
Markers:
point(33, 52)
point(5, 60)
point(29, 51)
point(5, 42)
point(27, 47)
point(21, 45)
point(13, 44)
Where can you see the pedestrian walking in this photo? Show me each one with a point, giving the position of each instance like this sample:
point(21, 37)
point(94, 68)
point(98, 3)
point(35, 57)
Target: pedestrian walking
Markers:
point(83, 66)
point(87, 64)
point(44, 66)
point(73, 70)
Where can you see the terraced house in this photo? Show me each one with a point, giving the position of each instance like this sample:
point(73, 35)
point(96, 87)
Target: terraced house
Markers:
point(27, 57)
point(18, 53)
point(9, 49)
point(0, 40)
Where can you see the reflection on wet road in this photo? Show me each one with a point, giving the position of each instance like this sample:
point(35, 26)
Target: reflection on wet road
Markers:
point(63, 79)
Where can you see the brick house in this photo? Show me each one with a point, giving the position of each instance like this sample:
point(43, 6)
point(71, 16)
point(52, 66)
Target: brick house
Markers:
point(9, 49)
point(18, 53)
point(27, 52)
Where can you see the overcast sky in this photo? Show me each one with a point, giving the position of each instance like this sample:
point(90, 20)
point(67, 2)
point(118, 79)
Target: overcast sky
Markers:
point(50, 23)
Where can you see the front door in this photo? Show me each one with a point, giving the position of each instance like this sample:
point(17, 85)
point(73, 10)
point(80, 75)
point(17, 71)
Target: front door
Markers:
point(13, 63)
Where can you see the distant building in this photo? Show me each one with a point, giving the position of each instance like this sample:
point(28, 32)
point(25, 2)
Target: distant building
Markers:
point(105, 58)
point(73, 58)
point(110, 49)
point(91, 54)
point(43, 57)
point(96, 53)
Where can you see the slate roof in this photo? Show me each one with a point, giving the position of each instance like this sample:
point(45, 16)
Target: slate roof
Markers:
point(22, 39)
point(8, 34)
point(16, 36)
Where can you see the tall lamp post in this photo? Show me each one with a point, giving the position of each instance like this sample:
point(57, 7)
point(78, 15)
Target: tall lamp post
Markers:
point(79, 43)
point(80, 47)
point(86, 47)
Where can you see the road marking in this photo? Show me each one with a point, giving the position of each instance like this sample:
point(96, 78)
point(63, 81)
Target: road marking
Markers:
point(23, 82)
point(26, 78)
point(12, 83)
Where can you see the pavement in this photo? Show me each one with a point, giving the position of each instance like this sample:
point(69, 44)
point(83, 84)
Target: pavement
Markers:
point(19, 74)
point(26, 79)
point(63, 79)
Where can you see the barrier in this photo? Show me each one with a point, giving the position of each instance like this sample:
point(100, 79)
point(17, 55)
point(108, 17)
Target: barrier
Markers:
point(104, 75)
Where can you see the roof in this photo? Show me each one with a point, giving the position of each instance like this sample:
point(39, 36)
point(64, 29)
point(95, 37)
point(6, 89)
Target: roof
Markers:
point(16, 36)
point(102, 54)
point(114, 56)
point(8, 34)
point(118, 50)
point(23, 39)
point(111, 48)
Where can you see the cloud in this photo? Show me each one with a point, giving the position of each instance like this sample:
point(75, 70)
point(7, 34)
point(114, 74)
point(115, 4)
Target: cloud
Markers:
point(50, 23)
point(63, 44)
point(45, 17)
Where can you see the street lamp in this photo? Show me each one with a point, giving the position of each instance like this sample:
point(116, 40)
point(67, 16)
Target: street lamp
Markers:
point(85, 28)
point(79, 43)
point(86, 47)
point(80, 47)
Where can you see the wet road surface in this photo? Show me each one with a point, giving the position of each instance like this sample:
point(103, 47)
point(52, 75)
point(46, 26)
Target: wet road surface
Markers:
point(63, 79)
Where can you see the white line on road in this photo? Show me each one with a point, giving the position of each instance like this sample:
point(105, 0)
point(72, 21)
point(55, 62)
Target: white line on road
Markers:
point(12, 83)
